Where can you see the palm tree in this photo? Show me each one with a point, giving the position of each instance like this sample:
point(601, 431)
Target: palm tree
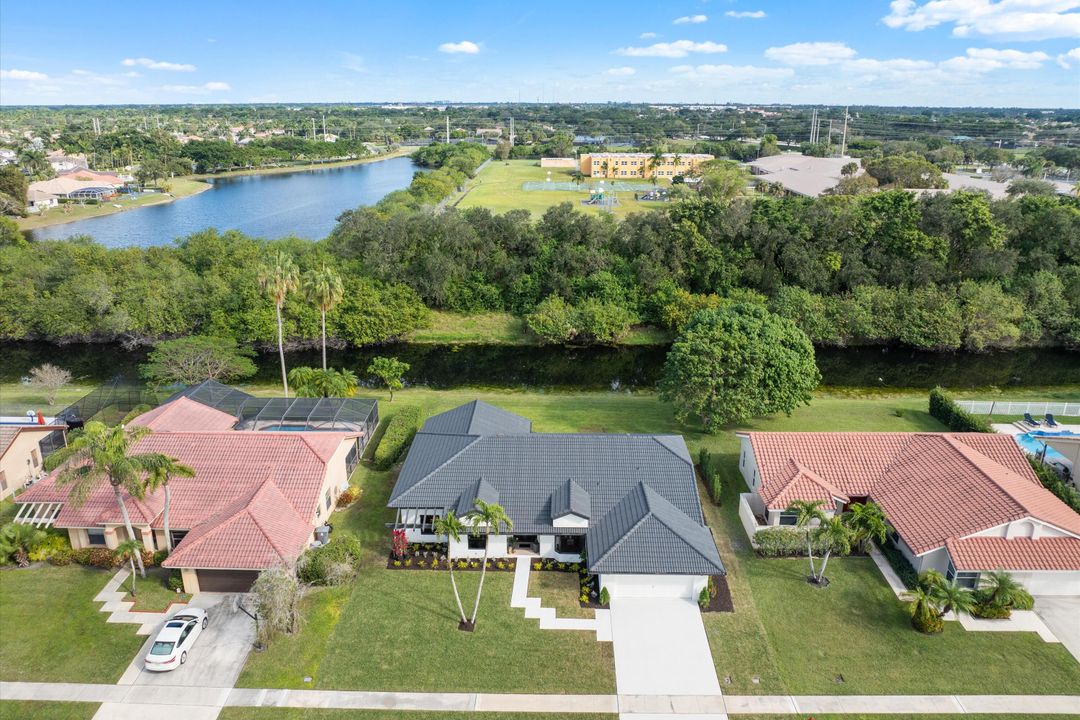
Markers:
point(1005, 591)
point(129, 550)
point(488, 517)
point(867, 522)
point(18, 541)
point(836, 536)
point(808, 511)
point(165, 469)
point(924, 613)
point(277, 277)
point(323, 288)
point(312, 382)
point(656, 160)
point(451, 527)
point(951, 597)
point(104, 453)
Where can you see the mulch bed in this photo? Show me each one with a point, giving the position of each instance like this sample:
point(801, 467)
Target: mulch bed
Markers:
point(410, 562)
point(721, 601)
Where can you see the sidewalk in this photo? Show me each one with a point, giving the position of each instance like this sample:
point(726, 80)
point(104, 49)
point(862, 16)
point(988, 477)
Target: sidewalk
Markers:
point(190, 702)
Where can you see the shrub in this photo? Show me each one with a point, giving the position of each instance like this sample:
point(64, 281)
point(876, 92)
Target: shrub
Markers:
point(175, 581)
point(1052, 482)
point(949, 413)
point(61, 557)
point(553, 320)
point(399, 433)
point(102, 558)
point(277, 594)
point(52, 545)
point(989, 611)
point(159, 557)
point(398, 543)
point(331, 564)
point(605, 596)
point(704, 598)
point(710, 472)
point(348, 496)
point(148, 557)
point(787, 542)
point(584, 597)
point(928, 622)
point(900, 565)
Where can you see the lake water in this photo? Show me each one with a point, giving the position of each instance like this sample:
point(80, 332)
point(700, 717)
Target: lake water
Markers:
point(304, 203)
point(592, 368)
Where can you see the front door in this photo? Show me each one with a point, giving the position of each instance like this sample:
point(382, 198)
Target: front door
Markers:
point(527, 543)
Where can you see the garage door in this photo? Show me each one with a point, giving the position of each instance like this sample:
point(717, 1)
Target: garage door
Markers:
point(226, 580)
point(653, 586)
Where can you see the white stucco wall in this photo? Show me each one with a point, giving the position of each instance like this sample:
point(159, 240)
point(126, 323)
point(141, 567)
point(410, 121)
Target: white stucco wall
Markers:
point(1022, 528)
point(748, 464)
point(1050, 583)
point(570, 521)
point(496, 548)
point(667, 586)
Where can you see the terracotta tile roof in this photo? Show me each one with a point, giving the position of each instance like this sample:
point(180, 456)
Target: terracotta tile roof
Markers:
point(8, 433)
point(802, 484)
point(257, 530)
point(183, 414)
point(998, 553)
point(932, 486)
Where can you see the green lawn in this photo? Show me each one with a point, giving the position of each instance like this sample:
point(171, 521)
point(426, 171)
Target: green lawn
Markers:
point(16, 398)
point(235, 713)
point(559, 590)
point(498, 187)
point(153, 594)
point(505, 329)
point(33, 710)
point(52, 631)
point(905, 716)
point(178, 188)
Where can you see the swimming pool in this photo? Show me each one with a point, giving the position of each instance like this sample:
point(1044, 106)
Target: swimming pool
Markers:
point(285, 428)
point(1033, 445)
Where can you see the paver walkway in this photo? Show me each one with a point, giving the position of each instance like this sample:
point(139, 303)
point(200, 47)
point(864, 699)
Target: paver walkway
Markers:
point(120, 610)
point(519, 598)
point(188, 702)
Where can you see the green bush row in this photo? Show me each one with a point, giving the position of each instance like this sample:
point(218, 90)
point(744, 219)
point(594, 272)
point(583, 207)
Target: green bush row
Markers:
point(710, 472)
point(1052, 482)
point(900, 564)
point(399, 433)
point(786, 542)
point(949, 413)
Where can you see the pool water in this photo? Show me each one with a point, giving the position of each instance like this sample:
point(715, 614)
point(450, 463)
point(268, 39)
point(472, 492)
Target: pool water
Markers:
point(1031, 443)
point(285, 428)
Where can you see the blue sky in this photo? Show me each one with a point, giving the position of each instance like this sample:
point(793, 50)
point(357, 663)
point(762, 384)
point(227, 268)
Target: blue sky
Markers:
point(905, 52)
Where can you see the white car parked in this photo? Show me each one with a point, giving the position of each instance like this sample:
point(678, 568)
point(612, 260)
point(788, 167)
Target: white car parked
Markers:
point(170, 648)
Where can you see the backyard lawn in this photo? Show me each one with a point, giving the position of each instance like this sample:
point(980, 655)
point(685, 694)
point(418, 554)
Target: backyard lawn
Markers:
point(52, 631)
point(498, 188)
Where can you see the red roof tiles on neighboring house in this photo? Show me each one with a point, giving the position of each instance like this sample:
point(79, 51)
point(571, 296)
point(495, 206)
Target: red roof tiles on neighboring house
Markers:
point(1017, 554)
point(183, 414)
point(932, 486)
point(803, 484)
point(257, 530)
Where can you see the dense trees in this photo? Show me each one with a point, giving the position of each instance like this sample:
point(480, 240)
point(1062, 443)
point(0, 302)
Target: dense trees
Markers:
point(195, 358)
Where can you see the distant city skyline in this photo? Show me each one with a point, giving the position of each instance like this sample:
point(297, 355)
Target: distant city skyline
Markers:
point(1004, 53)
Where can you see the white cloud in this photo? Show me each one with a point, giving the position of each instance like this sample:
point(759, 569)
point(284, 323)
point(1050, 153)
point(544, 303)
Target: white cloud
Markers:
point(984, 59)
point(465, 47)
point(15, 74)
point(733, 73)
point(677, 49)
point(1069, 59)
point(624, 71)
point(748, 14)
point(810, 53)
point(690, 20)
point(158, 64)
point(197, 89)
point(1007, 19)
point(955, 69)
point(647, 35)
point(353, 62)
point(893, 66)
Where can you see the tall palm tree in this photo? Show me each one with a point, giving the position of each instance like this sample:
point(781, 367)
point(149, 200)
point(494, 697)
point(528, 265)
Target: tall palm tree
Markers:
point(451, 527)
point(277, 277)
point(836, 536)
point(102, 453)
point(808, 511)
point(129, 550)
point(489, 517)
point(656, 160)
point(164, 469)
point(867, 522)
point(322, 286)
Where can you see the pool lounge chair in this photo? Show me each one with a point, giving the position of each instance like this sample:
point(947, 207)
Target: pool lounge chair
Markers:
point(1050, 422)
point(1031, 421)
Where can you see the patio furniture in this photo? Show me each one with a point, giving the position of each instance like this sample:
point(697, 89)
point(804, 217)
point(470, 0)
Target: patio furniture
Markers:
point(1031, 421)
point(1050, 422)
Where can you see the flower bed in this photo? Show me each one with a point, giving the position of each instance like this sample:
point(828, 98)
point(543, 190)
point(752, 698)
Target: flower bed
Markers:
point(719, 596)
point(432, 560)
point(589, 584)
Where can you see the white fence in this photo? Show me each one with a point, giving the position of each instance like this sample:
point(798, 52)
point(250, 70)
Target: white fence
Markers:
point(1005, 407)
point(746, 516)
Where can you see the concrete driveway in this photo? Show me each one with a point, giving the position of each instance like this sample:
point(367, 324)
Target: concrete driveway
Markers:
point(219, 653)
point(661, 648)
point(1062, 616)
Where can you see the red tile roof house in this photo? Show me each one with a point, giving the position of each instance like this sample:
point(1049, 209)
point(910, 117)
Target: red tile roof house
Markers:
point(254, 502)
point(960, 503)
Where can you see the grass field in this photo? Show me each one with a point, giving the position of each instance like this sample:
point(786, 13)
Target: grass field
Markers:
point(52, 631)
point(152, 594)
point(505, 329)
point(559, 590)
point(498, 188)
point(178, 188)
point(31, 710)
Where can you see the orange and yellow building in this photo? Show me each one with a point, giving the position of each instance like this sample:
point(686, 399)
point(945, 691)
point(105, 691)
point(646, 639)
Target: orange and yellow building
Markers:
point(625, 166)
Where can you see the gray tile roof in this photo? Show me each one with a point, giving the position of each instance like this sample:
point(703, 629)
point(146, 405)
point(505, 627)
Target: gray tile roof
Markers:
point(477, 418)
point(570, 498)
point(537, 476)
point(645, 534)
point(479, 490)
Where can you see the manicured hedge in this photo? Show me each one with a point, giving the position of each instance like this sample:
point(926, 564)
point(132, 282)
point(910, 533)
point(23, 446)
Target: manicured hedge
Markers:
point(785, 542)
point(946, 410)
point(1052, 482)
point(399, 433)
point(900, 564)
point(710, 471)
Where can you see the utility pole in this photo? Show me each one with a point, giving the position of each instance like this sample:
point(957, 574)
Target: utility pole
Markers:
point(324, 126)
point(843, 142)
point(830, 131)
point(511, 131)
point(447, 128)
point(312, 128)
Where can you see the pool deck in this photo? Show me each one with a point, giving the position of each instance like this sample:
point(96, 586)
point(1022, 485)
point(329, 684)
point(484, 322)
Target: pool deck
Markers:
point(1011, 429)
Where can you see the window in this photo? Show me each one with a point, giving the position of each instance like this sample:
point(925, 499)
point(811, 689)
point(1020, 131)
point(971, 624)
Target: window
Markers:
point(95, 537)
point(329, 501)
point(789, 518)
point(964, 579)
point(477, 542)
point(177, 536)
point(742, 459)
point(569, 544)
point(427, 524)
point(36, 457)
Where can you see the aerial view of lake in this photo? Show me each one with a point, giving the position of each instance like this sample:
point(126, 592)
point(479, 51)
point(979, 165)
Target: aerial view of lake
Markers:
point(304, 203)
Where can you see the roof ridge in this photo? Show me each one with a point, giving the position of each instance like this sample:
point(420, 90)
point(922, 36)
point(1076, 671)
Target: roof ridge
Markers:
point(965, 452)
point(682, 536)
point(630, 530)
point(814, 477)
point(270, 536)
point(658, 441)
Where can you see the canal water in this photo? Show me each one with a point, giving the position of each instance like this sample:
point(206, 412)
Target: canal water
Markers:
point(304, 203)
point(590, 368)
